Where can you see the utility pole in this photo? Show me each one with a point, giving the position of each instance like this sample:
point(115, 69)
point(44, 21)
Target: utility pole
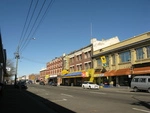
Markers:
point(17, 56)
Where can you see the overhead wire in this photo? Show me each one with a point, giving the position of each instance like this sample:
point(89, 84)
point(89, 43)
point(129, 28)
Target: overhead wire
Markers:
point(23, 42)
point(29, 24)
point(33, 60)
point(40, 21)
point(50, 4)
point(21, 38)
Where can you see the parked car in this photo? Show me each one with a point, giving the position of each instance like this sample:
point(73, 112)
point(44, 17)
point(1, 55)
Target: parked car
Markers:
point(42, 83)
point(29, 82)
point(141, 83)
point(89, 85)
point(22, 85)
point(51, 83)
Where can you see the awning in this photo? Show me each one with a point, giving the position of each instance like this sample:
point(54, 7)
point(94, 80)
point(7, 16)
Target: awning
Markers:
point(53, 76)
point(74, 74)
point(110, 73)
point(118, 72)
point(126, 71)
point(142, 70)
point(71, 76)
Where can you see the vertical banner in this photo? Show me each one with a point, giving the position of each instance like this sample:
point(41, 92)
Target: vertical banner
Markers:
point(103, 59)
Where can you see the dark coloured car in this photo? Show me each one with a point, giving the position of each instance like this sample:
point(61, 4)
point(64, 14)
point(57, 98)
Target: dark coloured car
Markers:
point(21, 84)
point(51, 83)
point(42, 83)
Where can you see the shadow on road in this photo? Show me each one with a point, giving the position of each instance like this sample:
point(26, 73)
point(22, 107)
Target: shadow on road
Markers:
point(52, 105)
point(22, 101)
point(142, 103)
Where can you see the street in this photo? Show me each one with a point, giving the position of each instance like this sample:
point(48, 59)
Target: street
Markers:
point(105, 100)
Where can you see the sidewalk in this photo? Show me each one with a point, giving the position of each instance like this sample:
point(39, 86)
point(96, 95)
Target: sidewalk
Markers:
point(17, 101)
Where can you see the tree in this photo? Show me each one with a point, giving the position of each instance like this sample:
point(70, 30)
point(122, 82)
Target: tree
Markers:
point(10, 68)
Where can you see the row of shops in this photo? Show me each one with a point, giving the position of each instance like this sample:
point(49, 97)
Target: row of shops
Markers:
point(121, 77)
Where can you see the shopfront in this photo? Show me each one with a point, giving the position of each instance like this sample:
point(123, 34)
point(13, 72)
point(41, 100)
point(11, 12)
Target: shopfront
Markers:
point(52, 80)
point(121, 77)
point(74, 79)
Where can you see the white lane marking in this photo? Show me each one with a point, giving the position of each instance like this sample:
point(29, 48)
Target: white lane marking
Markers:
point(98, 93)
point(46, 94)
point(141, 110)
point(59, 100)
point(66, 95)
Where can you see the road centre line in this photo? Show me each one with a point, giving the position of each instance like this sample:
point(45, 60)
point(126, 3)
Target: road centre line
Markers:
point(98, 93)
point(66, 95)
point(141, 110)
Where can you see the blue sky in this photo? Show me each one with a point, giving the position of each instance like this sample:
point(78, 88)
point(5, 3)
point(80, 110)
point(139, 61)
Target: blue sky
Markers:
point(67, 27)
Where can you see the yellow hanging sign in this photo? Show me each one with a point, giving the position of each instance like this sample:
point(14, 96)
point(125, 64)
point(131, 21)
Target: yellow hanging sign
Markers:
point(103, 59)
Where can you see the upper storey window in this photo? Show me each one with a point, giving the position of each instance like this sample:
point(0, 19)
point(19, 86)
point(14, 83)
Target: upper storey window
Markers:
point(125, 56)
point(139, 53)
point(148, 51)
point(87, 54)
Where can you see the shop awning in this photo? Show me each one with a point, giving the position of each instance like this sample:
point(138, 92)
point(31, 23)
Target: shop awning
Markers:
point(74, 74)
point(110, 73)
point(142, 70)
point(118, 72)
point(71, 76)
point(53, 76)
point(126, 71)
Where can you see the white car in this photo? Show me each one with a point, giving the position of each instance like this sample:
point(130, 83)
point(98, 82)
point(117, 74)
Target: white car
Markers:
point(89, 85)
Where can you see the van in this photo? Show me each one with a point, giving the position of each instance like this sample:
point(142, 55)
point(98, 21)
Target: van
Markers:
point(141, 83)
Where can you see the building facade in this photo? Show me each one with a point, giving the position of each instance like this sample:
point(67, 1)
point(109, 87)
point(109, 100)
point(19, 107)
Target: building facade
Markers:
point(54, 69)
point(3, 59)
point(77, 63)
point(119, 63)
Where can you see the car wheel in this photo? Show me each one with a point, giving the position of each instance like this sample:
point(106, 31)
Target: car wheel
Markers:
point(135, 89)
point(83, 87)
point(148, 90)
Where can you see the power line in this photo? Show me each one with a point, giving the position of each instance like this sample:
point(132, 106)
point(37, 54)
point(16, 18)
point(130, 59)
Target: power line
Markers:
point(29, 25)
point(21, 38)
point(24, 32)
point(35, 61)
point(49, 6)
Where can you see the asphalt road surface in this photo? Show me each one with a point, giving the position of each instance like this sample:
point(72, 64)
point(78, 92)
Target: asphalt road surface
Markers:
point(78, 100)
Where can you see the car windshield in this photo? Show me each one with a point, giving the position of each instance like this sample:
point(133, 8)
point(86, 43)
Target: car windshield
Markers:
point(91, 83)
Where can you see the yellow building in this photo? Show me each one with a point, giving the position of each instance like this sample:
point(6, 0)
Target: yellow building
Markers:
point(118, 63)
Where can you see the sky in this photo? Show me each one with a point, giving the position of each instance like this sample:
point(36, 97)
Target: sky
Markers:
point(65, 26)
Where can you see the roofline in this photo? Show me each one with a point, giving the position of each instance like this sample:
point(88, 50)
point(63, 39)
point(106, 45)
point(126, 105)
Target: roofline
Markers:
point(128, 45)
